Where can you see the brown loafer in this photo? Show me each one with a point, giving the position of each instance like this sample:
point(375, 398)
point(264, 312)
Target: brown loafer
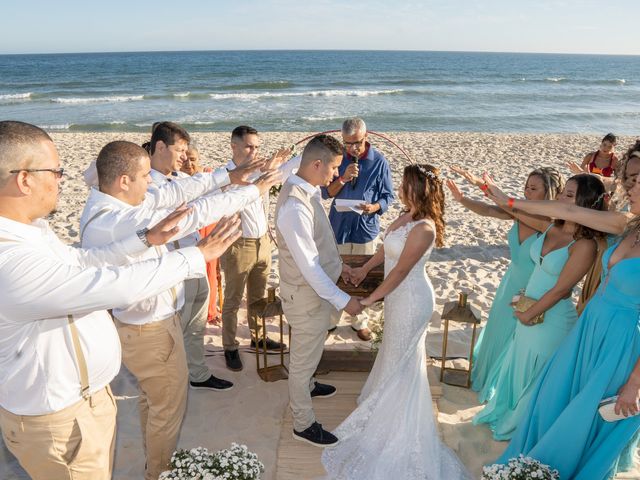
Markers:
point(364, 334)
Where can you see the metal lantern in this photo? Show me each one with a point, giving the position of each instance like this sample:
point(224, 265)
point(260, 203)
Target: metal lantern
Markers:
point(458, 311)
point(271, 306)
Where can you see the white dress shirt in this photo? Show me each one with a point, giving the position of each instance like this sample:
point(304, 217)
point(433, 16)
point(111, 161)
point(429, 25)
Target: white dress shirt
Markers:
point(42, 281)
point(253, 217)
point(106, 219)
point(295, 223)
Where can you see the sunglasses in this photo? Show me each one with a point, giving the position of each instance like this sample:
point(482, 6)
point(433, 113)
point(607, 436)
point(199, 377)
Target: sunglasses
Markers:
point(58, 172)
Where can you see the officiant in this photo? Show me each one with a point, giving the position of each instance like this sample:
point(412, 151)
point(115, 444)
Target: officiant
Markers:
point(364, 175)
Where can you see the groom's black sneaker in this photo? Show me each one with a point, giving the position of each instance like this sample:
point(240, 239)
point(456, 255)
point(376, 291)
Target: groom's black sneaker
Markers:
point(323, 390)
point(316, 435)
point(271, 344)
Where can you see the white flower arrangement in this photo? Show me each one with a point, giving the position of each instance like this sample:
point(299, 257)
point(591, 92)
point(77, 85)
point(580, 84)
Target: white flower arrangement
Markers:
point(521, 468)
point(236, 463)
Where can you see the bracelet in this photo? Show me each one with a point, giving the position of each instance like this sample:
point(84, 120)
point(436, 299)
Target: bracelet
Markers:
point(510, 202)
point(484, 187)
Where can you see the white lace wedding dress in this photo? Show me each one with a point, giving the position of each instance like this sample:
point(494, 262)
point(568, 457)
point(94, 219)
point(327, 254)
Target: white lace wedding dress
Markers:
point(392, 434)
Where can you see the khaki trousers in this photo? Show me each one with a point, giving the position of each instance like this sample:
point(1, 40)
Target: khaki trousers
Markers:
point(361, 320)
point(193, 318)
point(309, 317)
point(246, 263)
point(154, 354)
point(76, 443)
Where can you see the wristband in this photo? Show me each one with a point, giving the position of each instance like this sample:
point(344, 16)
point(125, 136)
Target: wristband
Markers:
point(484, 187)
point(510, 202)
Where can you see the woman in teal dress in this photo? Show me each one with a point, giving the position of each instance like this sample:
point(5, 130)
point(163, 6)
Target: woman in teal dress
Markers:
point(562, 256)
point(561, 426)
point(494, 339)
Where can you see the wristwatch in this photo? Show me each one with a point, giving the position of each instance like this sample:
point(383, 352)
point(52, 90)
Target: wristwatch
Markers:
point(142, 235)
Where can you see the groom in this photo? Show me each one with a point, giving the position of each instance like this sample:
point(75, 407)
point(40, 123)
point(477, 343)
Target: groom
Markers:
point(310, 266)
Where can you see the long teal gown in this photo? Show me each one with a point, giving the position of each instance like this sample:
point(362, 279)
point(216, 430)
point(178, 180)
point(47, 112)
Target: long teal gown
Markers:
point(562, 427)
point(532, 346)
point(497, 335)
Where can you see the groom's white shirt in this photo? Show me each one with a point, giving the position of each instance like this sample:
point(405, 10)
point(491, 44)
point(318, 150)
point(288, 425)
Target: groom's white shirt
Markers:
point(296, 227)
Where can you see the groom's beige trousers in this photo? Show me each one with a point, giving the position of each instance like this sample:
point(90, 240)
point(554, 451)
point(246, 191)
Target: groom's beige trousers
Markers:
point(309, 317)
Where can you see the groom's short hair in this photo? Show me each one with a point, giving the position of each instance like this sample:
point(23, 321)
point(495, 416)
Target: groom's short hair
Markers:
point(323, 147)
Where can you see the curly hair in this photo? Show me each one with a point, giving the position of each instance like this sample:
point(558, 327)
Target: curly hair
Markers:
point(422, 189)
point(551, 179)
point(621, 195)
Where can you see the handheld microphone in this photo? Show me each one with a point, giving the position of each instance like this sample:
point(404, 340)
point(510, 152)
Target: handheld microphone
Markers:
point(354, 180)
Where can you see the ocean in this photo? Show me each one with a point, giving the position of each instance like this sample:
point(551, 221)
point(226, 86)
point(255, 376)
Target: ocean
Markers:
point(316, 90)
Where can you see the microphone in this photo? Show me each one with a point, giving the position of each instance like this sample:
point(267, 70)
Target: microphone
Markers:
point(354, 180)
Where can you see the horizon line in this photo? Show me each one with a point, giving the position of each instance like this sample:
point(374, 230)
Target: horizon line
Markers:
point(319, 50)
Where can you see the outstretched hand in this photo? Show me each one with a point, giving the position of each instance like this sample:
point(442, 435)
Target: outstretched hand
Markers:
point(455, 191)
point(223, 235)
point(241, 175)
point(278, 158)
point(167, 228)
point(494, 193)
point(467, 175)
point(575, 168)
point(268, 180)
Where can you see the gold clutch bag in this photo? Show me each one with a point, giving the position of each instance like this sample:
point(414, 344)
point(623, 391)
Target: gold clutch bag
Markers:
point(523, 304)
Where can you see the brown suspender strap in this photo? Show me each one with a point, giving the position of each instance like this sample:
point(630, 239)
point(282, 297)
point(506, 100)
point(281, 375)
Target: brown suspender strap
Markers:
point(82, 363)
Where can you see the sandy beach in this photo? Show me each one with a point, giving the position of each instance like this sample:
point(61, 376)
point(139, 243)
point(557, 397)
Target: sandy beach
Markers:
point(474, 259)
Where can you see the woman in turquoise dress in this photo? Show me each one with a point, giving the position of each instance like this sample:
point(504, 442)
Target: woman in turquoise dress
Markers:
point(599, 358)
point(495, 337)
point(562, 256)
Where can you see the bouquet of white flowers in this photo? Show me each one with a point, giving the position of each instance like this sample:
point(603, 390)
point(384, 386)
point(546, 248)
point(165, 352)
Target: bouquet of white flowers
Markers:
point(236, 463)
point(521, 468)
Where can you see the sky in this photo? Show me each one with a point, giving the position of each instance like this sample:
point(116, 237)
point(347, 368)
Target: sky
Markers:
point(547, 26)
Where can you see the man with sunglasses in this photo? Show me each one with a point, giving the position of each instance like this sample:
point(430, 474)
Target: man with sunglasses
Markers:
point(364, 176)
point(59, 348)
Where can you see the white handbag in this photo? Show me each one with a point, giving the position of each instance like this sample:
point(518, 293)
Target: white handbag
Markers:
point(606, 408)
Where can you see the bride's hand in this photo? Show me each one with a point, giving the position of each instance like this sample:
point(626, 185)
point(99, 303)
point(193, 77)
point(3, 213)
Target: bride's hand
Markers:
point(357, 275)
point(365, 302)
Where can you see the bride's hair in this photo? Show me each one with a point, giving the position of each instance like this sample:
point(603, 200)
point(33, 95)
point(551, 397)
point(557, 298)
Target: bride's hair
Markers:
point(422, 189)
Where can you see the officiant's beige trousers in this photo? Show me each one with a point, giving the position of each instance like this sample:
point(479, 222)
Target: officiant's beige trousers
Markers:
point(75, 443)
point(361, 320)
point(154, 354)
point(309, 317)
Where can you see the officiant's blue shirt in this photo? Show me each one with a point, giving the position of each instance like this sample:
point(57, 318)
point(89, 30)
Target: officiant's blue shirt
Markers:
point(374, 185)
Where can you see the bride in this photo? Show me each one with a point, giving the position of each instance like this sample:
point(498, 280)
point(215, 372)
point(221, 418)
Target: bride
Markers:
point(392, 433)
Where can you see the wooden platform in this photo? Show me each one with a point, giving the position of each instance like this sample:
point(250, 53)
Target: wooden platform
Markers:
point(300, 461)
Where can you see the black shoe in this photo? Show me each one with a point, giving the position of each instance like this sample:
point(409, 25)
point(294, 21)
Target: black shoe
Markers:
point(332, 329)
point(323, 390)
point(271, 344)
point(316, 435)
point(232, 359)
point(212, 383)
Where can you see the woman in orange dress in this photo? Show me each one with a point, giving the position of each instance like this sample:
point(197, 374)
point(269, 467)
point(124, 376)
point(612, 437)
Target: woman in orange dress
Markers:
point(191, 167)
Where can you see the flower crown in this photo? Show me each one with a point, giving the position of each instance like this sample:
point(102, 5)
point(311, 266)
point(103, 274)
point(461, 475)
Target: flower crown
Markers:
point(427, 173)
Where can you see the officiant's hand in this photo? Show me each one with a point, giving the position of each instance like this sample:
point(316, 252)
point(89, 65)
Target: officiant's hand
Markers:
point(353, 307)
point(358, 275)
point(369, 208)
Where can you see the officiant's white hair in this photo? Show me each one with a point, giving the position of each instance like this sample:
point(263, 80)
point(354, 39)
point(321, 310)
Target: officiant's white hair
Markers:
point(353, 125)
point(323, 147)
